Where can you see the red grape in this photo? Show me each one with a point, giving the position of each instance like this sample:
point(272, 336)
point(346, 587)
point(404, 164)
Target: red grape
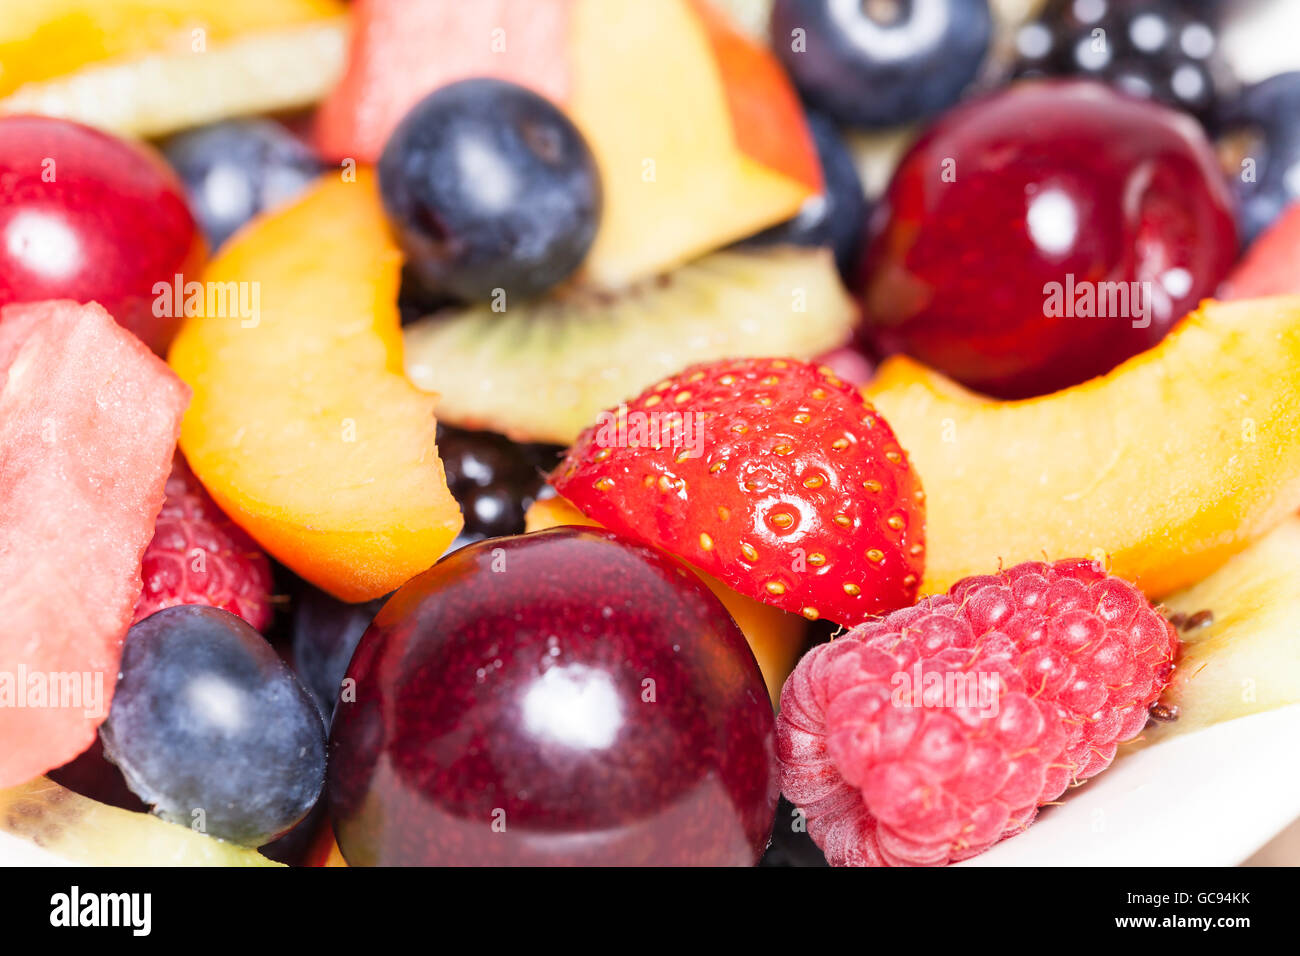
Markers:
point(90, 217)
point(1045, 186)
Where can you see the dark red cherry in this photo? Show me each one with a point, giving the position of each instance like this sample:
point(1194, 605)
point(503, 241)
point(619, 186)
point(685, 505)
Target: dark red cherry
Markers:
point(87, 216)
point(1012, 210)
point(565, 697)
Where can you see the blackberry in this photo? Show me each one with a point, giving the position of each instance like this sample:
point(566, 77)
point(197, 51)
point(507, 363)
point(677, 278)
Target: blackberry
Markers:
point(1166, 50)
point(494, 479)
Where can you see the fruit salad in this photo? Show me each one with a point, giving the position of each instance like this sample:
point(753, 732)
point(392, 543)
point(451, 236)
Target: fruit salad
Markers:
point(626, 433)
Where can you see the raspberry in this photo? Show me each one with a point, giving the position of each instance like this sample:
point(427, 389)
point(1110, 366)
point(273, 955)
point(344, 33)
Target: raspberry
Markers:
point(925, 737)
point(199, 556)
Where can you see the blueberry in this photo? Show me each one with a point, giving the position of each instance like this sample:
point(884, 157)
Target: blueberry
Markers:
point(836, 217)
point(881, 62)
point(490, 186)
point(325, 633)
point(212, 729)
point(235, 169)
point(1269, 110)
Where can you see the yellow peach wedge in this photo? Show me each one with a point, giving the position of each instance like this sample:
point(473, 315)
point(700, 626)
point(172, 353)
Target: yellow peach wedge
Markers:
point(303, 427)
point(1165, 467)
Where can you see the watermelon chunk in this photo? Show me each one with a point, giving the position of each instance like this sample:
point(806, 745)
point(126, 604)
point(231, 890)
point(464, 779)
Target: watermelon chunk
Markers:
point(1271, 266)
point(391, 65)
point(89, 419)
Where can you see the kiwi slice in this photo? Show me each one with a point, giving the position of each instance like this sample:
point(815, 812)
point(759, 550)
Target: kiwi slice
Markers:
point(80, 830)
point(542, 370)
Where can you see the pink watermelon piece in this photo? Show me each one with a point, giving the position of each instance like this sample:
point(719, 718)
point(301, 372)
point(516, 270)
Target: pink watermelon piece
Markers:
point(89, 419)
point(390, 69)
point(1271, 266)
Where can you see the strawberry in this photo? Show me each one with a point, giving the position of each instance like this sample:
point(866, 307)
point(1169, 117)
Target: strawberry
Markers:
point(771, 474)
point(199, 556)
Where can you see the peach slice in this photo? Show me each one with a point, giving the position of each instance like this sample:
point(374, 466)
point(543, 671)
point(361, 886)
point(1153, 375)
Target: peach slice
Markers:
point(1165, 466)
point(698, 134)
point(776, 638)
point(303, 427)
point(147, 67)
